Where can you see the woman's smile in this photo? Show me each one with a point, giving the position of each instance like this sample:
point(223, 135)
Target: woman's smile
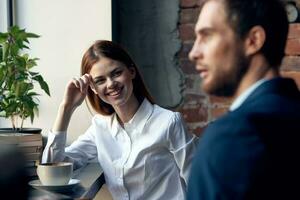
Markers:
point(115, 93)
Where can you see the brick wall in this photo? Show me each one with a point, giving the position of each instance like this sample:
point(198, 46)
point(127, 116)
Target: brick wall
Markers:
point(291, 63)
point(197, 107)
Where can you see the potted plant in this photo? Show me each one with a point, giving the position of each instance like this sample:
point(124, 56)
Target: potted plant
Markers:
point(18, 99)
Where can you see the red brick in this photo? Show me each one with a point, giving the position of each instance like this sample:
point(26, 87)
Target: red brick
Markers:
point(189, 82)
point(293, 75)
point(194, 99)
point(291, 63)
point(189, 15)
point(188, 3)
point(294, 31)
point(197, 131)
point(199, 2)
point(186, 32)
point(187, 66)
point(293, 47)
point(185, 49)
point(218, 112)
point(220, 100)
point(195, 114)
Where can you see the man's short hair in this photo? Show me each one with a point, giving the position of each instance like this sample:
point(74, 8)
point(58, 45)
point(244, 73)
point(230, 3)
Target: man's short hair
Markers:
point(271, 15)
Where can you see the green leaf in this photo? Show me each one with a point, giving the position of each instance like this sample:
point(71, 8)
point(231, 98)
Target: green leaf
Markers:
point(42, 83)
point(3, 37)
point(11, 107)
point(31, 63)
point(1, 59)
point(33, 94)
point(19, 44)
point(1, 76)
point(4, 51)
point(14, 50)
point(33, 73)
point(14, 30)
point(32, 35)
point(45, 87)
point(21, 63)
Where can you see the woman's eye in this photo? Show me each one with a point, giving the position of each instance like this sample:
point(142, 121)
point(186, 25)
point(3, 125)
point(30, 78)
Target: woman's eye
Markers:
point(99, 81)
point(117, 73)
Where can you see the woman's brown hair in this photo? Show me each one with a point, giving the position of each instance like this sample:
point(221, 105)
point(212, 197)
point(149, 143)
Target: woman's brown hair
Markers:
point(107, 49)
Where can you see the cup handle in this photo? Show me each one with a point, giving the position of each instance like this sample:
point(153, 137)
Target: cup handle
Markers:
point(37, 171)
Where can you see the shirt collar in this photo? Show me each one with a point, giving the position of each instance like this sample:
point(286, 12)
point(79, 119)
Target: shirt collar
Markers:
point(240, 99)
point(137, 122)
point(114, 125)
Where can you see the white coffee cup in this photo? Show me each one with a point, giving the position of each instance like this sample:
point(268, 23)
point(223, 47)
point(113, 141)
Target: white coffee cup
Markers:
point(55, 173)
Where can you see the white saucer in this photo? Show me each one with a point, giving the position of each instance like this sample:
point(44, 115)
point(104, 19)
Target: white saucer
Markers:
point(57, 188)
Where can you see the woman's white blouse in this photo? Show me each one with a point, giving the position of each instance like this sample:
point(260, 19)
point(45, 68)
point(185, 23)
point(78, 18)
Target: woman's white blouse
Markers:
point(149, 159)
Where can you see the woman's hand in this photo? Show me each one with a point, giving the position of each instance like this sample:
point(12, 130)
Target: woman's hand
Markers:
point(76, 91)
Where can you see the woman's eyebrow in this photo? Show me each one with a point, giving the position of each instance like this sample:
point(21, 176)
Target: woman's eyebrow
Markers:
point(97, 78)
point(116, 69)
point(111, 72)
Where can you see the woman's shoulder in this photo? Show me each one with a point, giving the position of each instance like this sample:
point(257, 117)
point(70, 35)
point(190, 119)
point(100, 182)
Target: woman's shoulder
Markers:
point(159, 111)
point(101, 120)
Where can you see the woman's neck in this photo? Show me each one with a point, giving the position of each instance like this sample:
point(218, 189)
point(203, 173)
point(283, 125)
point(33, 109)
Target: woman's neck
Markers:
point(127, 111)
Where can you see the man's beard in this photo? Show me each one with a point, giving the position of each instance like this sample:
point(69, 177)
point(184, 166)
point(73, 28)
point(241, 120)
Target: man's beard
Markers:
point(227, 83)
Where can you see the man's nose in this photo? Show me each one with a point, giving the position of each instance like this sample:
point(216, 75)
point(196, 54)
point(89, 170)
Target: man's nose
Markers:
point(195, 52)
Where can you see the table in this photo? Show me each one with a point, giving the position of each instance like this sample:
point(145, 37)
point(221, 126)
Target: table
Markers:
point(87, 189)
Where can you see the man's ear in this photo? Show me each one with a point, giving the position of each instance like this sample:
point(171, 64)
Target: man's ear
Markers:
point(255, 40)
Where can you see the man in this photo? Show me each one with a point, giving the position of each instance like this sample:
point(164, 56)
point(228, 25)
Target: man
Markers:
point(13, 176)
point(252, 152)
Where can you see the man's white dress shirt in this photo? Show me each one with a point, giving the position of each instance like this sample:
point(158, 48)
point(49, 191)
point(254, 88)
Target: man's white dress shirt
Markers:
point(240, 99)
point(149, 158)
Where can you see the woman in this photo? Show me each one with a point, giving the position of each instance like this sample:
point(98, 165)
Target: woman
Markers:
point(143, 149)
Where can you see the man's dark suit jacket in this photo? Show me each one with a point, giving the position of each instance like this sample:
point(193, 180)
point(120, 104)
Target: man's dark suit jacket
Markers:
point(252, 152)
